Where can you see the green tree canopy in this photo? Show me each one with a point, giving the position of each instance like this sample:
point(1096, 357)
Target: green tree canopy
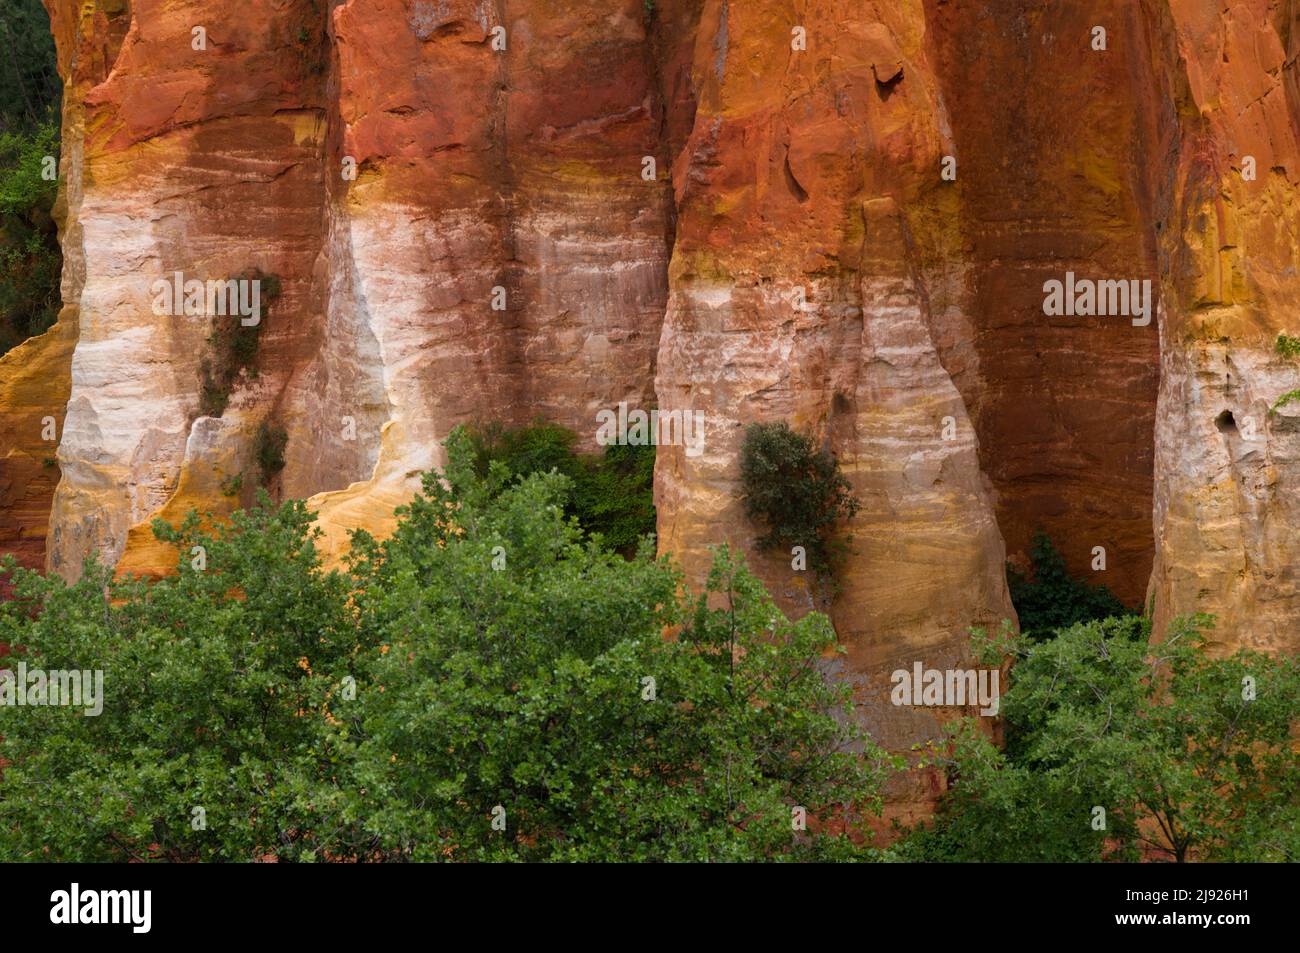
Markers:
point(487, 656)
point(1190, 757)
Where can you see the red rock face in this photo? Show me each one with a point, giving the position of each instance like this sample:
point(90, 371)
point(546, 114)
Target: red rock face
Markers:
point(549, 207)
point(1056, 143)
point(33, 393)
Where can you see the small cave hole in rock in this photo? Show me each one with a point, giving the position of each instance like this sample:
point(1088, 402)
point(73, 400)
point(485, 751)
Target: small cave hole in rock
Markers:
point(1226, 423)
point(886, 85)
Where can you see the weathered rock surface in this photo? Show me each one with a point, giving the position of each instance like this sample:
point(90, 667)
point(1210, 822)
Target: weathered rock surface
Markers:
point(800, 292)
point(794, 254)
point(1057, 144)
point(1227, 465)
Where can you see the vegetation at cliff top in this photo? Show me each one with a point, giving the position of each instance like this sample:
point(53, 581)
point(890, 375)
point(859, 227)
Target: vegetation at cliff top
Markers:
point(797, 492)
point(30, 258)
point(487, 684)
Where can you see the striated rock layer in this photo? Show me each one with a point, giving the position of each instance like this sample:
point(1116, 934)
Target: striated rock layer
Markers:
point(489, 210)
point(1227, 464)
point(803, 286)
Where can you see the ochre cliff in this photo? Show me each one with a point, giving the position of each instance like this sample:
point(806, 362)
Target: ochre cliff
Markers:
point(512, 209)
point(1228, 464)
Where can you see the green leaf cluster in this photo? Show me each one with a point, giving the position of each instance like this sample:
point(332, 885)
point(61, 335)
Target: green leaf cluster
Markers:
point(610, 494)
point(1191, 755)
point(795, 490)
point(1049, 598)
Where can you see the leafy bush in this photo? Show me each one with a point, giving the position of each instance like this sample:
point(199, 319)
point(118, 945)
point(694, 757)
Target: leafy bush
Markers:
point(797, 491)
point(1187, 758)
point(611, 494)
point(217, 686)
point(1050, 598)
point(487, 655)
point(232, 485)
point(30, 86)
point(232, 349)
point(1287, 346)
point(268, 449)
point(30, 258)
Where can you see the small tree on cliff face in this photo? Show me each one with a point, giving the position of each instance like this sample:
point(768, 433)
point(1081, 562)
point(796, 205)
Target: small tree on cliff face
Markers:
point(796, 490)
point(1189, 757)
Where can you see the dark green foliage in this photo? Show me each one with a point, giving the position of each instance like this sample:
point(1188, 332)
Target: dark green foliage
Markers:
point(30, 86)
point(486, 655)
point(30, 258)
point(1050, 598)
point(611, 494)
point(268, 450)
point(233, 349)
point(1162, 737)
point(232, 485)
point(796, 491)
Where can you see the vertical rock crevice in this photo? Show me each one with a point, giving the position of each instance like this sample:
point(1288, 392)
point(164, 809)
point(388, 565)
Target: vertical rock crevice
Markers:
point(1055, 142)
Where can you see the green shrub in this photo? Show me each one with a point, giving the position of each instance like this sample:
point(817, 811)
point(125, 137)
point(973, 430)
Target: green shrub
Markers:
point(232, 349)
point(268, 450)
point(214, 687)
point(1186, 764)
point(30, 258)
point(1287, 345)
point(232, 485)
point(610, 494)
point(30, 86)
point(796, 491)
point(1049, 598)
